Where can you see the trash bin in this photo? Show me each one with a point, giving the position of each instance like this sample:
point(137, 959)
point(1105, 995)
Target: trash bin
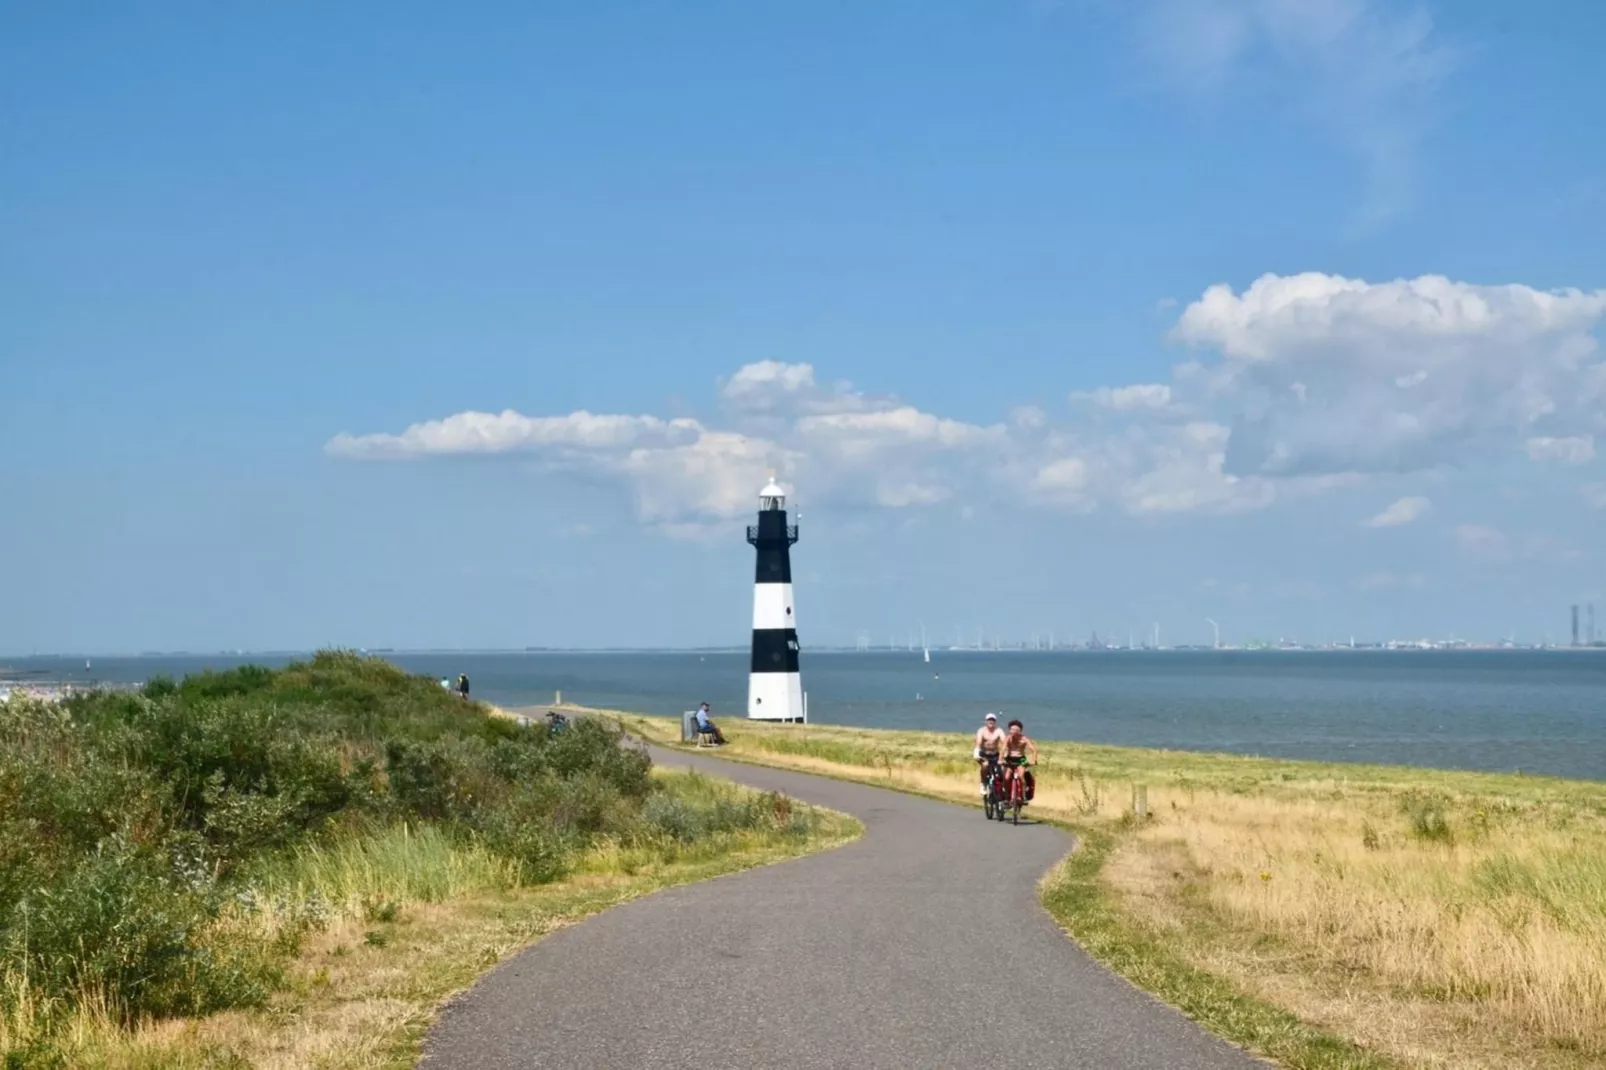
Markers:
point(688, 727)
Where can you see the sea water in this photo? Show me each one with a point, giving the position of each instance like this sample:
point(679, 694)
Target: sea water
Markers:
point(1533, 711)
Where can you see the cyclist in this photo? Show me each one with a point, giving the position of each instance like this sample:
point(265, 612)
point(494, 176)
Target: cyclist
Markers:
point(1014, 747)
point(988, 739)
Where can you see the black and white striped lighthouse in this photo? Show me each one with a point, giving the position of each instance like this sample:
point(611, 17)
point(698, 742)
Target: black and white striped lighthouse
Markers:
point(774, 687)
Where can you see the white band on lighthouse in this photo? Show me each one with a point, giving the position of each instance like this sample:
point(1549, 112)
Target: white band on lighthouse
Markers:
point(774, 686)
point(772, 606)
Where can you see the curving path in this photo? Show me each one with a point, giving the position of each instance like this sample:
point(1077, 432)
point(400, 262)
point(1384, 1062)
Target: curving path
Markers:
point(893, 951)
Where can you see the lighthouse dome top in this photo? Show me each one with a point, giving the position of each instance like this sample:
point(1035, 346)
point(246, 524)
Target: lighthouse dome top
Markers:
point(772, 496)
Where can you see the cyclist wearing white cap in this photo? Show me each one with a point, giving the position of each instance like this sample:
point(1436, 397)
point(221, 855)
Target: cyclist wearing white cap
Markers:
point(989, 737)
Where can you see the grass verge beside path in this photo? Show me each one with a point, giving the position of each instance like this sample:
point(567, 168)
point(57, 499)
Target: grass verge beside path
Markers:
point(291, 867)
point(415, 919)
point(1322, 914)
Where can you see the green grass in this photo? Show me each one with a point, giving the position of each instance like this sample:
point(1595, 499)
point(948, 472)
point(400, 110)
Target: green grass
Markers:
point(412, 918)
point(413, 863)
point(167, 858)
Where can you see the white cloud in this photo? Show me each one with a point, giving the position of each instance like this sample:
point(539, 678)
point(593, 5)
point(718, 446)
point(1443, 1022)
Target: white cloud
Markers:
point(1315, 382)
point(1149, 471)
point(869, 430)
point(1364, 73)
point(1489, 545)
point(1183, 471)
point(771, 386)
point(1028, 417)
point(1127, 398)
point(896, 457)
point(1483, 543)
point(511, 432)
point(763, 382)
point(1329, 374)
point(1068, 477)
point(1387, 581)
point(1576, 449)
point(844, 444)
point(1404, 511)
point(718, 475)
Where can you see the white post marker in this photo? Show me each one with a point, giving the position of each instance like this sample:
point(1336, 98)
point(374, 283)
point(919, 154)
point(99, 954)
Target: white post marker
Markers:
point(774, 687)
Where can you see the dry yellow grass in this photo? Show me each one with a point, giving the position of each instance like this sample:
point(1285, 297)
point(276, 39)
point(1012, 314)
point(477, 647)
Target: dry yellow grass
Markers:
point(1438, 918)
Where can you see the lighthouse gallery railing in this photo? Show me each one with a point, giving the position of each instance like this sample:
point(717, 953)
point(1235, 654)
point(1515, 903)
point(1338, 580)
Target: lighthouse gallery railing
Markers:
point(791, 534)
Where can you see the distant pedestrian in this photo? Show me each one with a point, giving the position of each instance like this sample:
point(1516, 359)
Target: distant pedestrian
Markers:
point(462, 685)
point(704, 724)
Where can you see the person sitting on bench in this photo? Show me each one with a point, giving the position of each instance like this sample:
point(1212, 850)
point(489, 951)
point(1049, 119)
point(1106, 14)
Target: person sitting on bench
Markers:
point(708, 727)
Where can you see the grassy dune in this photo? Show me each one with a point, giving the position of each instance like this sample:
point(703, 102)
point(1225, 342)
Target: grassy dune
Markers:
point(406, 919)
point(1325, 914)
point(292, 868)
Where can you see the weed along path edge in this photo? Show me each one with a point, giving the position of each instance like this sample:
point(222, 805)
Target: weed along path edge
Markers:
point(921, 944)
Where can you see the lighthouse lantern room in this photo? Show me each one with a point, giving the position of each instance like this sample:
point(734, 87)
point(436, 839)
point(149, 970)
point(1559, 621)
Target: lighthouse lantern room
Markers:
point(774, 687)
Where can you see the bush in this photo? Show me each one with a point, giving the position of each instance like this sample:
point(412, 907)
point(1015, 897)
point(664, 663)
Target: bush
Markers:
point(670, 816)
point(595, 748)
point(448, 779)
point(589, 805)
point(540, 853)
point(1427, 817)
point(136, 830)
point(121, 927)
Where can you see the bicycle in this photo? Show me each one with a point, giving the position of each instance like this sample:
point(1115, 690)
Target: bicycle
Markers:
point(992, 802)
point(1017, 794)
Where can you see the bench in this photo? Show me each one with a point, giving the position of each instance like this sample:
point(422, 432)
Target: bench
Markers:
point(705, 737)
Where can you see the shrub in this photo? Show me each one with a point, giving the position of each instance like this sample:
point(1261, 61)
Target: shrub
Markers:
point(120, 927)
point(540, 853)
point(670, 816)
point(1427, 818)
point(162, 850)
point(595, 748)
point(589, 805)
point(245, 680)
point(448, 779)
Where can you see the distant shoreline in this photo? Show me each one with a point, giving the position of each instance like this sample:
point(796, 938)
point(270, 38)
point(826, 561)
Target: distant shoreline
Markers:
point(10, 671)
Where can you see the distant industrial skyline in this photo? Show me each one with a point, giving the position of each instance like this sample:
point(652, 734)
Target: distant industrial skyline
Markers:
point(981, 641)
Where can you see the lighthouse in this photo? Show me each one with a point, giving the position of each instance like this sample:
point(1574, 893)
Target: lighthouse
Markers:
point(774, 688)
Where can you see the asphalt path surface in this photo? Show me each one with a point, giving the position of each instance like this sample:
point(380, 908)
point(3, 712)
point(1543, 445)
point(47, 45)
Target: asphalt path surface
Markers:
point(920, 945)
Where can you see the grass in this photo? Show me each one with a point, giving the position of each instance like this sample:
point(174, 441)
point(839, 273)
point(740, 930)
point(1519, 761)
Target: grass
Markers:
point(290, 867)
point(406, 918)
point(1323, 914)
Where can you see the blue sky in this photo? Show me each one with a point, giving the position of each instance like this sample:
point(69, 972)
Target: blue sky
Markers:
point(389, 325)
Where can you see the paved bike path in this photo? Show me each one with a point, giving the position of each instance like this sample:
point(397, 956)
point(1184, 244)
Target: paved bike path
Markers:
point(921, 945)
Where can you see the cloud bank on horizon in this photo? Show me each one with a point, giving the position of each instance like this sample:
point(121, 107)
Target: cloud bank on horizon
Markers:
point(1295, 385)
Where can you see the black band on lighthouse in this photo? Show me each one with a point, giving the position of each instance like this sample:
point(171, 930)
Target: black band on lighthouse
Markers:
point(774, 564)
point(775, 650)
